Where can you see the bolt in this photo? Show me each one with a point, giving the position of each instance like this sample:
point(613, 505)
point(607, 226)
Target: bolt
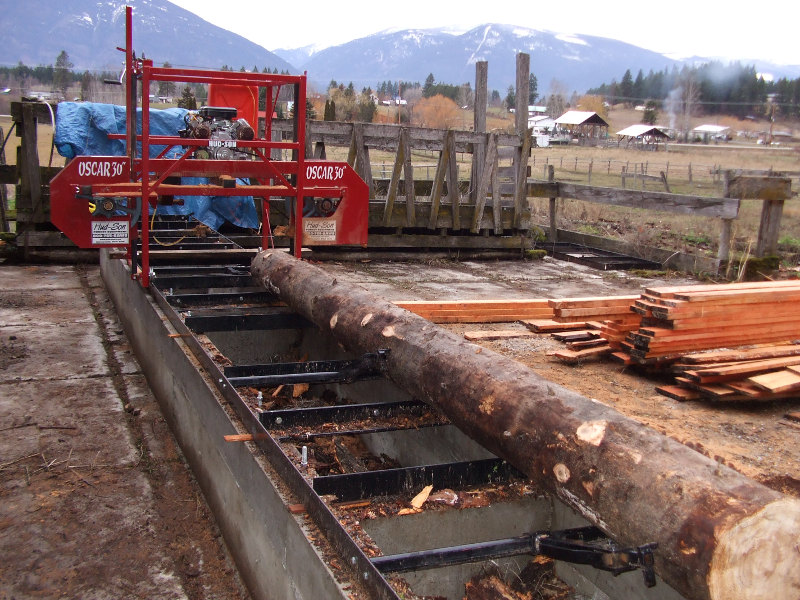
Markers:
point(279, 420)
point(365, 575)
point(304, 455)
point(353, 560)
point(260, 399)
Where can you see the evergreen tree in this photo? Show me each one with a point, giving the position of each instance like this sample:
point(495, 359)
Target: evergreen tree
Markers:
point(650, 115)
point(166, 88)
point(187, 99)
point(533, 89)
point(638, 86)
point(511, 97)
point(626, 86)
point(427, 89)
point(62, 76)
point(86, 85)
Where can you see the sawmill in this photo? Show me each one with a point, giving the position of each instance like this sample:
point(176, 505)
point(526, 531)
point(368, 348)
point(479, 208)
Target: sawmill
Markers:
point(349, 442)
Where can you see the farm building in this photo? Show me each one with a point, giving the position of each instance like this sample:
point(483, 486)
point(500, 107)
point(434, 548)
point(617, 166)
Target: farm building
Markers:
point(541, 124)
point(707, 132)
point(643, 136)
point(586, 126)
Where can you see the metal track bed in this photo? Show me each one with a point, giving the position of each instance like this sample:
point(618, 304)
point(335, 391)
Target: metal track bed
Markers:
point(203, 299)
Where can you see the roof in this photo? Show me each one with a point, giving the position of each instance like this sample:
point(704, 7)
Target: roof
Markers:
point(710, 129)
point(580, 117)
point(642, 130)
point(539, 119)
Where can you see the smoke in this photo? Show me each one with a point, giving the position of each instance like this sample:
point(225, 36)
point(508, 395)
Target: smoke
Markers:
point(673, 105)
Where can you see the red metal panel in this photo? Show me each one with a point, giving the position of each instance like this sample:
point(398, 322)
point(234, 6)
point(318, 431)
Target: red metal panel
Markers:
point(348, 224)
point(243, 98)
point(71, 214)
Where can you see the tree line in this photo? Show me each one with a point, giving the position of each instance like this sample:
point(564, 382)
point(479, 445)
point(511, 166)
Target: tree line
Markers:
point(712, 88)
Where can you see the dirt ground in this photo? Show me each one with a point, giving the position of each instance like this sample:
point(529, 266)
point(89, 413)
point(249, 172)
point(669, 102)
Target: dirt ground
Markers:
point(752, 437)
point(95, 498)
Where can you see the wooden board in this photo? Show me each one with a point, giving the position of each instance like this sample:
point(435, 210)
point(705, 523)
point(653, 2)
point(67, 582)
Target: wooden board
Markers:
point(678, 393)
point(571, 356)
point(777, 382)
point(549, 326)
point(504, 334)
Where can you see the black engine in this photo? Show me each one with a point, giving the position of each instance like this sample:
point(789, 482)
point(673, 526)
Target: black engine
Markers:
point(219, 125)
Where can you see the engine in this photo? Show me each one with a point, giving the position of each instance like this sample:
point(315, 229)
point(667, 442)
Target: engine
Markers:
point(220, 126)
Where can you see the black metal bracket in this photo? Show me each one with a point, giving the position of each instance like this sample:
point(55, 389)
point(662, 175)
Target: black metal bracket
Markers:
point(590, 546)
point(583, 545)
point(372, 364)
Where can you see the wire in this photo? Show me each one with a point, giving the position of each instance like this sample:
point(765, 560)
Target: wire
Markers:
point(53, 139)
point(155, 239)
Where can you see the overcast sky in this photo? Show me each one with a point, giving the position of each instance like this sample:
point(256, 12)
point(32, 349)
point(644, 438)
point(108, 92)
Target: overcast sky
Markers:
point(728, 29)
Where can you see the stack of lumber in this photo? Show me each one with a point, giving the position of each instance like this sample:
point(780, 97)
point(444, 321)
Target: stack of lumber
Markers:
point(479, 311)
point(682, 320)
point(764, 372)
point(598, 325)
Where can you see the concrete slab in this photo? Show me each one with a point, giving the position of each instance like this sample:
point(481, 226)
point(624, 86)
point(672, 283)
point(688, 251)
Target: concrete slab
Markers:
point(64, 350)
point(95, 501)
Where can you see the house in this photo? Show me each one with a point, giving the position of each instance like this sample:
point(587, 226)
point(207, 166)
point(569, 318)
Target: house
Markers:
point(541, 124)
point(705, 133)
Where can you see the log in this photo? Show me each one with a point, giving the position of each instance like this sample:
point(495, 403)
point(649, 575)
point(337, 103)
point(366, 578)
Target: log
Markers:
point(720, 534)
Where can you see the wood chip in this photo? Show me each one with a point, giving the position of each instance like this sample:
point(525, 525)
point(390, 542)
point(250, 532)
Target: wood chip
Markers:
point(422, 497)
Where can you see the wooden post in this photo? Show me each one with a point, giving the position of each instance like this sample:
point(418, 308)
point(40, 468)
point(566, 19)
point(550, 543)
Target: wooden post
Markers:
point(29, 200)
point(521, 187)
point(521, 153)
point(453, 193)
point(726, 225)
point(4, 226)
point(361, 160)
point(591, 164)
point(482, 186)
point(664, 180)
point(769, 229)
point(408, 175)
point(690, 172)
point(438, 180)
point(720, 535)
point(551, 177)
point(394, 182)
point(479, 122)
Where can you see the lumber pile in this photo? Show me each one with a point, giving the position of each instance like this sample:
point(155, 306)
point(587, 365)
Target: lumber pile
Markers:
point(764, 372)
point(478, 311)
point(681, 320)
point(680, 330)
point(683, 329)
point(597, 325)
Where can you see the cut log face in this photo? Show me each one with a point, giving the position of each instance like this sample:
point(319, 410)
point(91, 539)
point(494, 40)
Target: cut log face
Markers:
point(637, 485)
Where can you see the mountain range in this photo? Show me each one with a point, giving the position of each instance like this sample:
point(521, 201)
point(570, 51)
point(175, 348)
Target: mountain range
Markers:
point(36, 31)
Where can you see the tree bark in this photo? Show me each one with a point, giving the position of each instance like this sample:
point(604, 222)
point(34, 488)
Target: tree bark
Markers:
point(720, 534)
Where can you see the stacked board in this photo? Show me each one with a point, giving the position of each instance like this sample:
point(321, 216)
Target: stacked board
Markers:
point(682, 320)
point(764, 372)
point(479, 311)
point(610, 317)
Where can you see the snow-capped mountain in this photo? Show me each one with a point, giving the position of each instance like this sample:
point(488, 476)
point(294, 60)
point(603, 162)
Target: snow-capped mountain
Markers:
point(577, 62)
point(36, 31)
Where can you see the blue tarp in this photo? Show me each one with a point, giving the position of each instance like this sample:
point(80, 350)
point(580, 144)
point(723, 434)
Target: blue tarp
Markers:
point(82, 129)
